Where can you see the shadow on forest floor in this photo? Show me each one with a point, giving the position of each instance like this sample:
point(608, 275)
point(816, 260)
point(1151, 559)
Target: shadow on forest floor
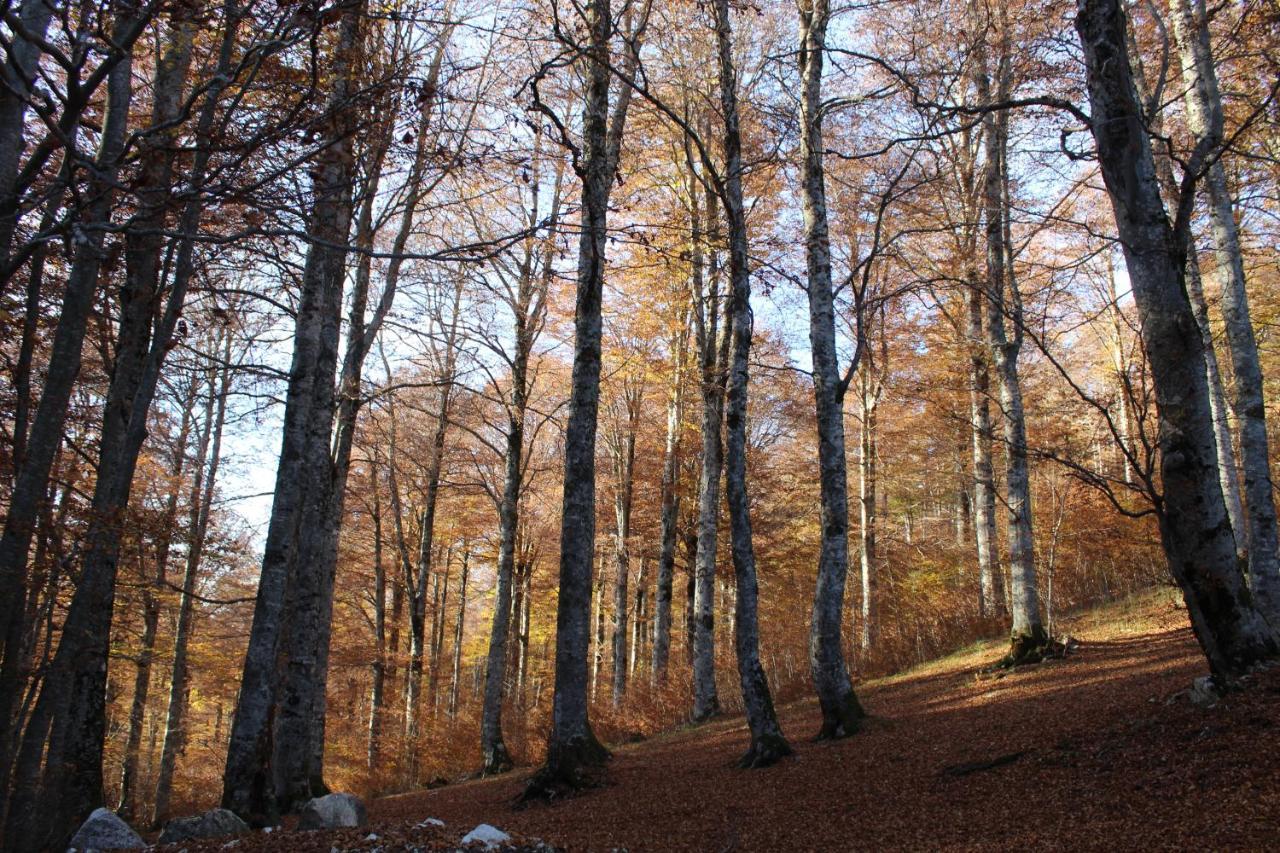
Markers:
point(1097, 750)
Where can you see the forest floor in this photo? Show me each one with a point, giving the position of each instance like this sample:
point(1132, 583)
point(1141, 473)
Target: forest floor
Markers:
point(1101, 749)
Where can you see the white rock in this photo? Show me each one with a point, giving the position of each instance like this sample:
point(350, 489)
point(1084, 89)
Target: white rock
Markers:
point(489, 836)
point(332, 811)
point(104, 830)
point(431, 821)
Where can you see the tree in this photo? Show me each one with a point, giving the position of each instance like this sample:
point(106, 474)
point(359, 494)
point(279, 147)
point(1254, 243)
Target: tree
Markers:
point(573, 747)
point(767, 743)
point(841, 711)
point(1196, 538)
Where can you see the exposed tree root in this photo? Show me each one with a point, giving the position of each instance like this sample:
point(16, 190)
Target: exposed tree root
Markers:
point(843, 721)
point(571, 767)
point(765, 751)
point(497, 760)
point(1025, 649)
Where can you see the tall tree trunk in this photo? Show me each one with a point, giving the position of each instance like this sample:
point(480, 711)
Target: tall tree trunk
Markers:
point(30, 487)
point(496, 757)
point(1027, 637)
point(623, 446)
point(271, 758)
point(150, 621)
point(767, 742)
point(1204, 118)
point(572, 746)
point(208, 459)
point(1193, 521)
point(869, 399)
point(841, 711)
point(378, 690)
point(418, 585)
point(1227, 468)
point(458, 629)
point(990, 576)
point(670, 502)
point(712, 357)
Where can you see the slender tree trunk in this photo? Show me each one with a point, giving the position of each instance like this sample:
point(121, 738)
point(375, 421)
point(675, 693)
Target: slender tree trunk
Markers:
point(767, 742)
point(208, 459)
point(418, 588)
point(1204, 118)
point(458, 629)
point(597, 629)
point(377, 694)
point(496, 757)
point(841, 711)
point(867, 470)
point(624, 458)
point(713, 356)
point(1193, 520)
point(150, 621)
point(1027, 638)
point(990, 577)
point(670, 502)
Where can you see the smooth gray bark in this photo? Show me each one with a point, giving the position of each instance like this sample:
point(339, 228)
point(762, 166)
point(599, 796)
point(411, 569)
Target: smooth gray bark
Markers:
point(1027, 635)
point(670, 503)
point(1194, 531)
point(841, 711)
point(1205, 120)
point(709, 309)
point(869, 392)
point(622, 444)
point(572, 746)
point(1228, 474)
point(767, 742)
point(458, 629)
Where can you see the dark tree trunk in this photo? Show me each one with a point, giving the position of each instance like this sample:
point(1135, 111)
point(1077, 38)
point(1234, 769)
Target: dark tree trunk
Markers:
point(208, 459)
point(572, 747)
point(1193, 518)
point(271, 758)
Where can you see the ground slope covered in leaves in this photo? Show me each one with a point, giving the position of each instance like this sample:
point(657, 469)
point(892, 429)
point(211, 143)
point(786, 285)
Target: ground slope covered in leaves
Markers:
point(1098, 750)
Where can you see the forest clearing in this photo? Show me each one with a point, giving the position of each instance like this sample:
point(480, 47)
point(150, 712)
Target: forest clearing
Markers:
point(636, 408)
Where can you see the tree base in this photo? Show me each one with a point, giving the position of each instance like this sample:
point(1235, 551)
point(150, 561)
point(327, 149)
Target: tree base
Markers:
point(1027, 649)
point(706, 715)
point(571, 767)
point(497, 760)
point(845, 720)
point(765, 751)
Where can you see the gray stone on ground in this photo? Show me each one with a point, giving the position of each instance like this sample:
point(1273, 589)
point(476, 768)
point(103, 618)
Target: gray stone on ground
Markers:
point(104, 830)
point(489, 836)
point(332, 811)
point(1204, 693)
point(215, 823)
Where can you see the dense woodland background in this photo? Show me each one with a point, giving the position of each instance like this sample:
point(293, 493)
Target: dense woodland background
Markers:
point(365, 237)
